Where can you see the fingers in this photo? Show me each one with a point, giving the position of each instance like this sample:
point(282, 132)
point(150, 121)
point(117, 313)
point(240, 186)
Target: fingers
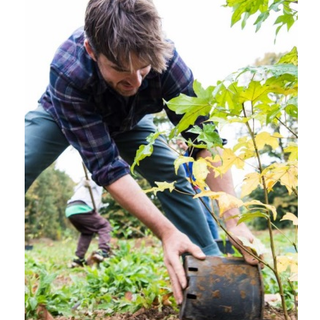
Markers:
point(175, 267)
point(196, 252)
point(247, 256)
point(178, 281)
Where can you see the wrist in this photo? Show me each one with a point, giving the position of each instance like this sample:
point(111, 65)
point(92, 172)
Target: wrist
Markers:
point(231, 217)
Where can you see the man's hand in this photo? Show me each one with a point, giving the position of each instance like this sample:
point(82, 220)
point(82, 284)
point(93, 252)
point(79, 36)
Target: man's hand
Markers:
point(129, 195)
point(243, 231)
point(224, 183)
point(174, 246)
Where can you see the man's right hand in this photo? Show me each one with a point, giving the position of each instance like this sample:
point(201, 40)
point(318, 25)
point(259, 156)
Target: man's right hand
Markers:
point(174, 245)
point(129, 195)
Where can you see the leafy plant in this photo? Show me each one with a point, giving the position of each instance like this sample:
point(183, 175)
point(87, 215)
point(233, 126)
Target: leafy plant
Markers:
point(92, 293)
point(262, 100)
point(133, 278)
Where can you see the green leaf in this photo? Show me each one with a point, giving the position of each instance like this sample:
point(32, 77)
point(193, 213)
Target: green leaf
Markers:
point(208, 135)
point(290, 58)
point(249, 216)
point(228, 98)
point(33, 303)
point(191, 107)
point(145, 150)
point(255, 92)
point(261, 18)
point(201, 92)
point(285, 19)
point(292, 110)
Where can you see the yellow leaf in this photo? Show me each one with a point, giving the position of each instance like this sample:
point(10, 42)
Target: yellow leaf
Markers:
point(290, 216)
point(246, 147)
point(290, 179)
point(250, 183)
point(243, 142)
point(181, 160)
point(228, 159)
point(287, 174)
point(293, 150)
point(162, 186)
point(200, 170)
point(225, 200)
point(264, 138)
point(289, 261)
point(256, 245)
point(247, 154)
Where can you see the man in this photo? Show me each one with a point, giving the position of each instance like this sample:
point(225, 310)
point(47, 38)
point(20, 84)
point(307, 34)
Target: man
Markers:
point(104, 80)
point(83, 212)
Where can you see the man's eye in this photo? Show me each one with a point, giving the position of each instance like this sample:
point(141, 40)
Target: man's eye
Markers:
point(120, 70)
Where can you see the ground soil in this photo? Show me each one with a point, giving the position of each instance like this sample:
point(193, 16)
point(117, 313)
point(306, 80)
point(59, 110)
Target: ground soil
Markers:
point(168, 313)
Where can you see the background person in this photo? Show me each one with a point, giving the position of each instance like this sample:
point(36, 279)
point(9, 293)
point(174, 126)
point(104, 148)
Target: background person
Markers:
point(83, 212)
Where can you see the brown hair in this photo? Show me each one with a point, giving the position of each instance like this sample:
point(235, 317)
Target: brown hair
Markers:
point(118, 28)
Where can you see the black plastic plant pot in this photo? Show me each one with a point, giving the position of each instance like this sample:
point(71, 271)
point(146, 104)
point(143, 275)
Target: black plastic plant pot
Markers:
point(222, 289)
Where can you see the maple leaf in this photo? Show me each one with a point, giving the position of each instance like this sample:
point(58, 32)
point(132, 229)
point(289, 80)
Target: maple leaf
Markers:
point(225, 200)
point(290, 216)
point(255, 92)
point(264, 138)
point(293, 150)
point(200, 169)
point(191, 107)
point(162, 186)
point(208, 135)
point(287, 174)
point(267, 206)
point(250, 182)
point(228, 159)
point(289, 261)
point(246, 147)
point(256, 245)
point(182, 160)
point(290, 58)
point(145, 150)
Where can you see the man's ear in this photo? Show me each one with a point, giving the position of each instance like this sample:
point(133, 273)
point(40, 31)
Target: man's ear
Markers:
point(89, 49)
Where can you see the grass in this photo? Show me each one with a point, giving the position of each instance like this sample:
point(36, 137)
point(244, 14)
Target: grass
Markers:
point(133, 278)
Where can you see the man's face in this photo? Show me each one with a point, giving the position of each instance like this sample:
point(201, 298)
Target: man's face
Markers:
point(123, 80)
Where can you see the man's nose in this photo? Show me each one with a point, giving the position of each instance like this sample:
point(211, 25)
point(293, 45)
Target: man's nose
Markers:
point(136, 78)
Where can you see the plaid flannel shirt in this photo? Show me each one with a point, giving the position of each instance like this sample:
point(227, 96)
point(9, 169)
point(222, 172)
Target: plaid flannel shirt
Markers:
point(90, 113)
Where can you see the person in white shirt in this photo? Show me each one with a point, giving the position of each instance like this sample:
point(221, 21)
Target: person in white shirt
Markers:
point(83, 212)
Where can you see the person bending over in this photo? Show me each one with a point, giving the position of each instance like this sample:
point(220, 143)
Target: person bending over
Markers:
point(105, 81)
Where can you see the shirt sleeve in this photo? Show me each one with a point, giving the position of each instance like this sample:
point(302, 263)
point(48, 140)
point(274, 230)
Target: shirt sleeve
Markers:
point(76, 114)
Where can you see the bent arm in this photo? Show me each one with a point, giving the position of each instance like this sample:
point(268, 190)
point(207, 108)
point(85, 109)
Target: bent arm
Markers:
point(225, 184)
point(130, 196)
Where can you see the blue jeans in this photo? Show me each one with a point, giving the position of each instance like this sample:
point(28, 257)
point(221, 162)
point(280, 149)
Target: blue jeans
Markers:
point(211, 222)
point(44, 142)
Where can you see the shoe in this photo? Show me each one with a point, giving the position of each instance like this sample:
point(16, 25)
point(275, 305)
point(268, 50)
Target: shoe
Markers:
point(99, 255)
point(78, 262)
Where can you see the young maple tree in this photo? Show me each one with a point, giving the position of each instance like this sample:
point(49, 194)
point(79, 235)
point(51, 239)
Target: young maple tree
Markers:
point(263, 101)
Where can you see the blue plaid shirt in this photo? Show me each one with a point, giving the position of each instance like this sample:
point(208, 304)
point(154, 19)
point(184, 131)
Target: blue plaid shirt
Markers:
point(90, 113)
